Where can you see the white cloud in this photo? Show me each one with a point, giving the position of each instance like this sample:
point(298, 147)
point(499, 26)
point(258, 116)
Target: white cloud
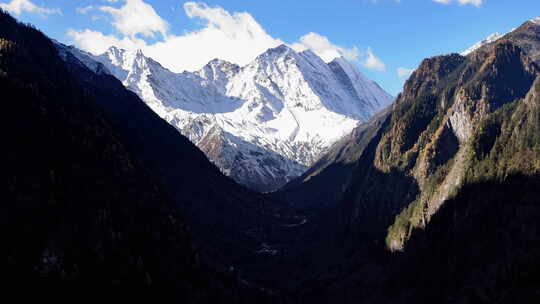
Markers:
point(137, 17)
point(373, 62)
point(462, 2)
point(16, 7)
point(235, 37)
point(404, 72)
point(324, 48)
point(473, 2)
point(328, 51)
point(377, 1)
point(84, 10)
point(97, 42)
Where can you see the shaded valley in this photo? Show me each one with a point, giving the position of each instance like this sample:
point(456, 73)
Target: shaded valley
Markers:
point(436, 198)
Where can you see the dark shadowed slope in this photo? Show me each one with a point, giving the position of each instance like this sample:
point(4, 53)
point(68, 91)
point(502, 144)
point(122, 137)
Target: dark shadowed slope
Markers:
point(483, 246)
point(86, 208)
point(231, 223)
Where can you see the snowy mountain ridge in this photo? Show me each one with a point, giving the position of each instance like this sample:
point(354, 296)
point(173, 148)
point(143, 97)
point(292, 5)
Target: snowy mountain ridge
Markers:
point(492, 38)
point(262, 124)
point(489, 39)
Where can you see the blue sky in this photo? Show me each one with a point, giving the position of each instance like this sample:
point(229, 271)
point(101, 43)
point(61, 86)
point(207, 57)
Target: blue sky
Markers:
point(380, 36)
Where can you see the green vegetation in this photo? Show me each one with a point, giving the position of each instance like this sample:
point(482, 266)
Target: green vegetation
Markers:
point(492, 94)
point(508, 141)
point(396, 149)
point(414, 215)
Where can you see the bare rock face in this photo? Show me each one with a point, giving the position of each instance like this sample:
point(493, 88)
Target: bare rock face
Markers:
point(526, 37)
point(505, 73)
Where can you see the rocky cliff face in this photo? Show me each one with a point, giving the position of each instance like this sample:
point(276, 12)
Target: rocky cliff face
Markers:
point(262, 124)
point(440, 160)
point(524, 36)
point(404, 165)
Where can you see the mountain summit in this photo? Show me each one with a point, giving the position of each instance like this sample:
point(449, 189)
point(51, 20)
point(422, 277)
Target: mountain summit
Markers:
point(524, 36)
point(262, 124)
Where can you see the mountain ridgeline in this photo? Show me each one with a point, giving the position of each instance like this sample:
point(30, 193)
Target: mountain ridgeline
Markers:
point(262, 124)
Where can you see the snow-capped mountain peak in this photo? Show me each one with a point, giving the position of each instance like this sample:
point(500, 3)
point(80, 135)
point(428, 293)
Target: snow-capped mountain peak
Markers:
point(278, 51)
point(264, 123)
point(217, 69)
point(494, 37)
point(219, 72)
point(489, 39)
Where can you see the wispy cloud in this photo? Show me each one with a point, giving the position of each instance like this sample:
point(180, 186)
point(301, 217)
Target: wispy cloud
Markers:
point(462, 2)
point(377, 1)
point(404, 72)
point(322, 46)
point(85, 9)
point(17, 7)
point(373, 62)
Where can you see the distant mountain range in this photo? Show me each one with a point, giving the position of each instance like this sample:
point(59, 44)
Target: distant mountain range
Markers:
point(262, 124)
